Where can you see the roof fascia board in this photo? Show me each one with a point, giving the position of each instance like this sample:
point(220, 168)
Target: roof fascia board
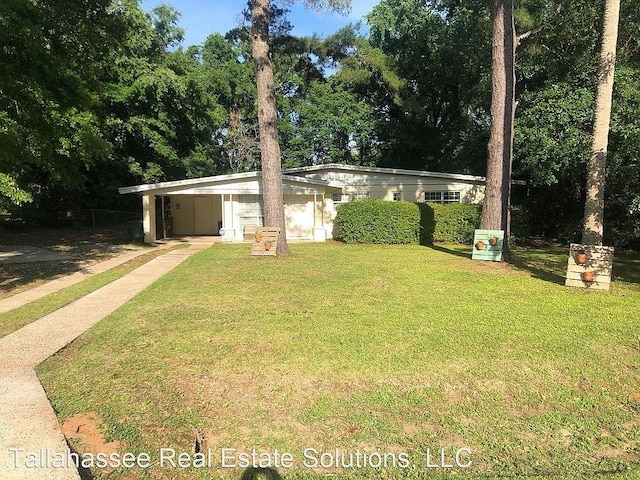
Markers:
point(391, 171)
point(164, 187)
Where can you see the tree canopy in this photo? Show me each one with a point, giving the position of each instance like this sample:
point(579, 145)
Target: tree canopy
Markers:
point(96, 95)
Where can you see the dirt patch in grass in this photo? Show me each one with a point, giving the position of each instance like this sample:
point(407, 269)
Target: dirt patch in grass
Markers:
point(84, 430)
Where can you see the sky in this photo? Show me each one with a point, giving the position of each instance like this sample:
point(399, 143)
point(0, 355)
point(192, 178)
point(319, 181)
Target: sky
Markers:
point(203, 17)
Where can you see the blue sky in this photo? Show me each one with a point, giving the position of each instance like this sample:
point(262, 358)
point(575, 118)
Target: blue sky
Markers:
point(202, 17)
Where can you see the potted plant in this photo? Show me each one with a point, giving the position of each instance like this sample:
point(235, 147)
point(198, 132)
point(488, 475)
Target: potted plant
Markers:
point(480, 245)
point(493, 241)
point(267, 245)
point(587, 276)
point(258, 237)
point(581, 257)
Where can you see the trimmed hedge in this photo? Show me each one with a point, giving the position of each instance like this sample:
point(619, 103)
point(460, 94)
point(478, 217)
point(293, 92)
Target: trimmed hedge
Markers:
point(449, 222)
point(378, 221)
point(381, 221)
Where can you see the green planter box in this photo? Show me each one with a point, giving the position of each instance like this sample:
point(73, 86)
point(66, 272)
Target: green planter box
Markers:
point(483, 248)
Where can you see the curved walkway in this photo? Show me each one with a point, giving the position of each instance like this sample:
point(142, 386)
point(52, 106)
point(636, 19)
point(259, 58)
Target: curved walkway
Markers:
point(30, 437)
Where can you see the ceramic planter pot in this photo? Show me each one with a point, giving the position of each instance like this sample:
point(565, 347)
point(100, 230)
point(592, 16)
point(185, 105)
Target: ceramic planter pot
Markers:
point(480, 245)
point(587, 277)
point(267, 245)
point(581, 258)
point(493, 241)
point(258, 237)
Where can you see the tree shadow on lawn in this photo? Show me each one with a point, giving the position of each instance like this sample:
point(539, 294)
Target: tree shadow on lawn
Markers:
point(547, 272)
point(548, 262)
point(255, 473)
point(547, 268)
point(626, 267)
point(451, 251)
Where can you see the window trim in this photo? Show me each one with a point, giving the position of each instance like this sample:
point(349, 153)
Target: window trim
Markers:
point(360, 196)
point(445, 196)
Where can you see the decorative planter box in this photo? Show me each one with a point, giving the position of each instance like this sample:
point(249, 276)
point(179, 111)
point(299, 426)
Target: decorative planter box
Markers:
point(265, 241)
point(595, 272)
point(487, 245)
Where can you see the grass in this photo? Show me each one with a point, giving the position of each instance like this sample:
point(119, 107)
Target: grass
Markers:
point(14, 319)
point(366, 348)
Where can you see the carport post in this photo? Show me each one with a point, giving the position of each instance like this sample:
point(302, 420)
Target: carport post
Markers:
point(315, 208)
point(149, 218)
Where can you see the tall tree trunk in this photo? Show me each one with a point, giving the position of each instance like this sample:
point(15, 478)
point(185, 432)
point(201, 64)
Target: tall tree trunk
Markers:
point(495, 211)
point(593, 230)
point(268, 123)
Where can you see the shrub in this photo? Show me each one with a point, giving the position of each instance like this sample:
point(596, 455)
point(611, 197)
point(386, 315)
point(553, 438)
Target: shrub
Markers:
point(378, 221)
point(448, 223)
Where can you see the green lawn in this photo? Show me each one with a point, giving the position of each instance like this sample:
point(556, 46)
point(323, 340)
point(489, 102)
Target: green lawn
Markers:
point(373, 349)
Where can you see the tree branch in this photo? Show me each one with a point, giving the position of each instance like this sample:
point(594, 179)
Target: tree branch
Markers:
point(526, 35)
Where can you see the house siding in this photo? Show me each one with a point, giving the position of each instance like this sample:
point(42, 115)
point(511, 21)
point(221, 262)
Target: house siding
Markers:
point(384, 185)
point(198, 206)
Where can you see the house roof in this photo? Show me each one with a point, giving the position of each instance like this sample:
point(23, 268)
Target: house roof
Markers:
point(391, 171)
point(192, 182)
point(289, 176)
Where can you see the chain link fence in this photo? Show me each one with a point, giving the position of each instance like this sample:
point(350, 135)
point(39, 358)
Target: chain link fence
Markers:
point(98, 218)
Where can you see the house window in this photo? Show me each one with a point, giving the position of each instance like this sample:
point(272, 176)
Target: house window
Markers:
point(442, 197)
point(361, 195)
point(339, 198)
point(397, 196)
point(250, 210)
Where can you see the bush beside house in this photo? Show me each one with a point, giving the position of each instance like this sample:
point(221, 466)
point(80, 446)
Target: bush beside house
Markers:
point(448, 223)
point(380, 221)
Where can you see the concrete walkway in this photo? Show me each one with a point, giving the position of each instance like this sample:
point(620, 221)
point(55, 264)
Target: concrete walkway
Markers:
point(29, 254)
point(35, 293)
point(27, 420)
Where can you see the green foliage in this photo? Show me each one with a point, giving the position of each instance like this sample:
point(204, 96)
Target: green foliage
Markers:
point(51, 56)
point(622, 192)
point(441, 51)
point(378, 221)
point(553, 134)
point(330, 125)
point(520, 223)
point(448, 223)
point(226, 75)
point(11, 192)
